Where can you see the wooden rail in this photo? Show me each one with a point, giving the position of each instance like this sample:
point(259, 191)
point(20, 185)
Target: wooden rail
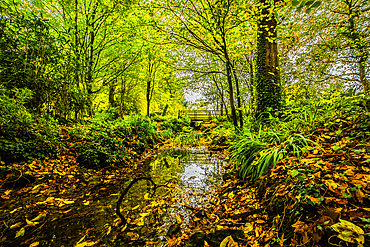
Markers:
point(200, 115)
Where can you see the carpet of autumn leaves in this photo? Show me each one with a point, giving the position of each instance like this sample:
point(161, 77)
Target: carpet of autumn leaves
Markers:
point(59, 201)
point(320, 198)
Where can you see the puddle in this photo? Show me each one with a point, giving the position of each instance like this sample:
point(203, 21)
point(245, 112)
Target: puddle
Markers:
point(194, 175)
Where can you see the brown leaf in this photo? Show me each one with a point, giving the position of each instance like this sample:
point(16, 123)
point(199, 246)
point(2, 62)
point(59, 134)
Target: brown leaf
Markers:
point(301, 228)
point(341, 201)
point(360, 196)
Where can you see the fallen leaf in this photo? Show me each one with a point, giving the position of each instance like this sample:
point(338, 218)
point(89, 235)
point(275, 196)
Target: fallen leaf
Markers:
point(20, 233)
point(84, 244)
point(15, 225)
point(30, 223)
point(40, 216)
point(34, 244)
point(349, 232)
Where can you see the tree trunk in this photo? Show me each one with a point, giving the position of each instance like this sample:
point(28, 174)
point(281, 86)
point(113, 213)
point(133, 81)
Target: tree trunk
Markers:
point(361, 67)
point(238, 98)
point(268, 88)
point(111, 95)
point(221, 95)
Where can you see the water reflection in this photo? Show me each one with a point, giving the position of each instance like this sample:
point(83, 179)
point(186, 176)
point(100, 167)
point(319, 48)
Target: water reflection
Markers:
point(194, 176)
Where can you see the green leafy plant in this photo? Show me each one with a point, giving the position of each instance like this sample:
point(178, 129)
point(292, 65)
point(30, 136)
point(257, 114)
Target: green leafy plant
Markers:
point(253, 154)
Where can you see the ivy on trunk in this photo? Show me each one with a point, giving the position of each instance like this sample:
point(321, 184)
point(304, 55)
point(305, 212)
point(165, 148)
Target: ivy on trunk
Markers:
point(268, 88)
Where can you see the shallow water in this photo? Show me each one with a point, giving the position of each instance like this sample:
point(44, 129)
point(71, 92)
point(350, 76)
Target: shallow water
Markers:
point(194, 175)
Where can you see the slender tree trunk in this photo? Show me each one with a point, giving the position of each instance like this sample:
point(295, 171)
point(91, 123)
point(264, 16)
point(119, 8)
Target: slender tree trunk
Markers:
point(76, 55)
point(148, 90)
point(89, 77)
point(238, 97)
point(231, 94)
point(268, 88)
point(221, 95)
point(152, 69)
point(112, 87)
point(361, 67)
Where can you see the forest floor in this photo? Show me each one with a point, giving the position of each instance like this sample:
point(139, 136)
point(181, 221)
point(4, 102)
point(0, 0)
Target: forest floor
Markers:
point(65, 205)
point(319, 199)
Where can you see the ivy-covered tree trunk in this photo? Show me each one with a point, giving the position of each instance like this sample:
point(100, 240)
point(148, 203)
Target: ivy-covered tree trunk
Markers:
point(268, 88)
point(361, 66)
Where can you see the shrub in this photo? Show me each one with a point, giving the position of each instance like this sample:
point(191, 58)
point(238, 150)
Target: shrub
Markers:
point(175, 124)
point(25, 136)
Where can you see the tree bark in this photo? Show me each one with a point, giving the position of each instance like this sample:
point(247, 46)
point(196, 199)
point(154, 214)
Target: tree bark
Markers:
point(361, 67)
point(221, 95)
point(238, 97)
point(230, 83)
point(268, 88)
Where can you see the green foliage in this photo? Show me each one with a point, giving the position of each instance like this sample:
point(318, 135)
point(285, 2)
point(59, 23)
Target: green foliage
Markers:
point(99, 142)
point(25, 136)
point(262, 146)
point(175, 124)
point(99, 150)
point(13, 113)
point(253, 153)
point(102, 143)
point(187, 138)
point(28, 56)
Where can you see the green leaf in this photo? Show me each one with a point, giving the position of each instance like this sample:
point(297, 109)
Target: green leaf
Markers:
point(309, 3)
point(295, 3)
point(366, 220)
point(294, 173)
point(20, 233)
point(316, 4)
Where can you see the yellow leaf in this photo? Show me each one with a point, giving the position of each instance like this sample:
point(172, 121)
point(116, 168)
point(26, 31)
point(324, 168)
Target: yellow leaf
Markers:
point(231, 195)
point(178, 219)
point(34, 244)
point(124, 228)
point(140, 223)
point(160, 211)
point(15, 210)
point(86, 203)
point(30, 223)
point(20, 233)
point(225, 242)
point(49, 199)
point(146, 196)
point(136, 207)
point(36, 186)
point(349, 232)
point(40, 216)
point(84, 244)
point(248, 228)
point(68, 202)
point(331, 184)
point(109, 230)
point(144, 214)
point(15, 225)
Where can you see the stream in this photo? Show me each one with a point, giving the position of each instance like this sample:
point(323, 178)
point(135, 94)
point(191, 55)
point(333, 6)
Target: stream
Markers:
point(192, 175)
